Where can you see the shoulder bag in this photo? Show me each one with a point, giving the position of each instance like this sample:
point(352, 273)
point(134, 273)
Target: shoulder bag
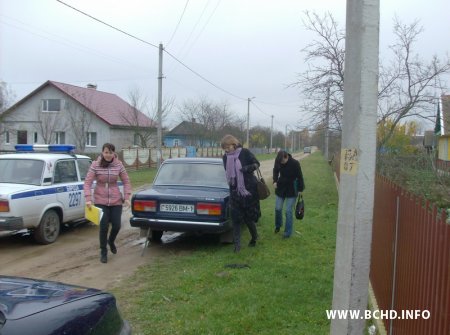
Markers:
point(263, 190)
point(300, 208)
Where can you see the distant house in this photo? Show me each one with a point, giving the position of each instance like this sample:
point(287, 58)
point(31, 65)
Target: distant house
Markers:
point(444, 139)
point(58, 113)
point(188, 134)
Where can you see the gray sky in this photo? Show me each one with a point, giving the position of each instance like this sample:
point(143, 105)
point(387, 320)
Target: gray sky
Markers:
point(248, 48)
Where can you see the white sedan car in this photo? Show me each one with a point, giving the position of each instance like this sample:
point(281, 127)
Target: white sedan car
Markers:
point(41, 187)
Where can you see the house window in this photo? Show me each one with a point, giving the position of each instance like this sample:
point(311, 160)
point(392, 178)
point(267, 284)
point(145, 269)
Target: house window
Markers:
point(60, 137)
point(137, 140)
point(91, 139)
point(7, 137)
point(22, 137)
point(51, 105)
point(175, 143)
point(35, 137)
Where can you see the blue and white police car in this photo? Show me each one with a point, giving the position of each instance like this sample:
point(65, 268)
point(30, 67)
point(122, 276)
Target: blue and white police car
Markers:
point(41, 187)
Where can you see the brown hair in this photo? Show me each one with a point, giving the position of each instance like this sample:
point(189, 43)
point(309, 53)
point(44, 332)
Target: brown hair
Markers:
point(104, 163)
point(110, 146)
point(229, 140)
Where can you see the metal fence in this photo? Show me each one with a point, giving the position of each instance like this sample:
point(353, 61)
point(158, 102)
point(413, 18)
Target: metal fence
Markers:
point(410, 260)
point(410, 265)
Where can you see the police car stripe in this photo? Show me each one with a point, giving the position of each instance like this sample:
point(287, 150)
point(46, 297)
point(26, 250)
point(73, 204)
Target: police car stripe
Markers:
point(52, 190)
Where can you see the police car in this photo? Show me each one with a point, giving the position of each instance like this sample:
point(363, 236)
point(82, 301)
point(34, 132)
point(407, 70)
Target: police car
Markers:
point(41, 187)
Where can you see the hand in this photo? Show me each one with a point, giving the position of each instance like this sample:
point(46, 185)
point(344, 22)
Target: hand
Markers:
point(89, 204)
point(127, 203)
point(275, 184)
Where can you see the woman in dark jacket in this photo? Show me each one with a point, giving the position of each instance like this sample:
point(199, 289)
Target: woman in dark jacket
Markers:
point(239, 165)
point(288, 183)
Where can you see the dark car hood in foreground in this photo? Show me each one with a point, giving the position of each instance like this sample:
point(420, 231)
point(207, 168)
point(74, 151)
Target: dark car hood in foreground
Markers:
point(21, 297)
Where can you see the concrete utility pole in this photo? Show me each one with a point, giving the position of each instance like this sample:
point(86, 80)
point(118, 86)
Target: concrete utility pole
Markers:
point(327, 124)
point(357, 171)
point(248, 120)
point(159, 134)
point(271, 134)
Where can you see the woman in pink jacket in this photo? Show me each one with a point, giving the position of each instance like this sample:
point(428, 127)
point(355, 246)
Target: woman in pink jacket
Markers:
point(106, 170)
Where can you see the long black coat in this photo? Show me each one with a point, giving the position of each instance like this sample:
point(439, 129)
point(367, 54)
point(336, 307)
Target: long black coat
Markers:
point(249, 204)
point(289, 178)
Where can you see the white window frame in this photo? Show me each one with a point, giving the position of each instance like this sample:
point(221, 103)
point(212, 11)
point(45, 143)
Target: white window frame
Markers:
point(90, 136)
point(35, 137)
point(60, 137)
point(7, 139)
point(47, 109)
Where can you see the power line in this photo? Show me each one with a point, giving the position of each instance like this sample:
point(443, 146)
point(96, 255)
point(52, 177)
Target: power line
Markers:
point(107, 24)
point(204, 26)
point(153, 45)
point(200, 76)
point(178, 24)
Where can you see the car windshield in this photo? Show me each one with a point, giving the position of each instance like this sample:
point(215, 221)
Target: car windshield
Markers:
point(192, 174)
point(21, 171)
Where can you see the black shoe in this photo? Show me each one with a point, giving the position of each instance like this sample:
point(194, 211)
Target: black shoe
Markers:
point(112, 246)
point(103, 259)
point(277, 230)
point(252, 243)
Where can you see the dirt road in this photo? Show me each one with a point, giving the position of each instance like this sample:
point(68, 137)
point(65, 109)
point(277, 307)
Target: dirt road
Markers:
point(74, 257)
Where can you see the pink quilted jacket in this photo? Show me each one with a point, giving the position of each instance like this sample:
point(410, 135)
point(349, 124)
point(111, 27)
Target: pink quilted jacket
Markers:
point(107, 191)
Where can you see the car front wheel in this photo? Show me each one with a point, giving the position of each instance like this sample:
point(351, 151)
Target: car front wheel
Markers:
point(48, 230)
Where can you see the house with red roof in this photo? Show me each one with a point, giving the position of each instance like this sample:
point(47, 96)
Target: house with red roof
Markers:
point(58, 113)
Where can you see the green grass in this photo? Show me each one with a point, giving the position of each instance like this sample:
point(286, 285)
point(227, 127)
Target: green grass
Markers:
point(286, 289)
point(141, 177)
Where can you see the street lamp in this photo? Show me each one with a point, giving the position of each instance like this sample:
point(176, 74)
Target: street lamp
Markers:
point(248, 119)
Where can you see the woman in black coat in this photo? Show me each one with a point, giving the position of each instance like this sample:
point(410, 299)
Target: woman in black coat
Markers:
point(288, 183)
point(239, 164)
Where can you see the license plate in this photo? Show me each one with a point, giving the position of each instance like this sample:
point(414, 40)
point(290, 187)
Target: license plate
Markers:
point(176, 208)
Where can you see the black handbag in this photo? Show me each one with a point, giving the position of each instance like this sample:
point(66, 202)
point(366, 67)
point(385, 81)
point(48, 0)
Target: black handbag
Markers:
point(300, 208)
point(263, 190)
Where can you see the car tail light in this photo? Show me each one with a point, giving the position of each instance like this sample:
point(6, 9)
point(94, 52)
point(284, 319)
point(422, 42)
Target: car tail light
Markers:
point(209, 209)
point(4, 206)
point(144, 205)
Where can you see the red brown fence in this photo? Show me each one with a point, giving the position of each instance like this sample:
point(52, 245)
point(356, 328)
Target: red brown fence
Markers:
point(410, 264)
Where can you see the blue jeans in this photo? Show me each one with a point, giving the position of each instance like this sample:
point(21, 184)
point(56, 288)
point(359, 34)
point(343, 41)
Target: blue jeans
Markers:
point(290, 202)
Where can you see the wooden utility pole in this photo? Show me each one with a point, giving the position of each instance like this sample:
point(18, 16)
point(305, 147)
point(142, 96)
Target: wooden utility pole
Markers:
point(357, 170)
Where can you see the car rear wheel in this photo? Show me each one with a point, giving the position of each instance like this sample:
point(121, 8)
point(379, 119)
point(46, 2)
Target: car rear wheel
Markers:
point(48, 230)
point(156, 235)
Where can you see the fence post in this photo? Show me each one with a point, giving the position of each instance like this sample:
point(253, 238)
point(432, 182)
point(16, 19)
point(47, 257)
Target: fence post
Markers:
point(394, 270)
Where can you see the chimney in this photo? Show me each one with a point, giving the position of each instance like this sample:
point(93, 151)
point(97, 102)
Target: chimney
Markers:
point(93, 86)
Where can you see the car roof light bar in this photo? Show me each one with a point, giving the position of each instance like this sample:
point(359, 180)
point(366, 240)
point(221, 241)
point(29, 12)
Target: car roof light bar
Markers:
point(65, 148)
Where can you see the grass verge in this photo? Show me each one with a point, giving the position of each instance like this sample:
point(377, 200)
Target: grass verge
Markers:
point(283, 286)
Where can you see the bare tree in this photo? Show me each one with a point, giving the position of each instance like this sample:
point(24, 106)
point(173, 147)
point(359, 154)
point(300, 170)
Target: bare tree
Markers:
point(6, 99)
point(324, 78)
point(139, 107)
point(6, 96)
point(48, 123)
point(80, 120)
point(214, 117)
point(406, 86)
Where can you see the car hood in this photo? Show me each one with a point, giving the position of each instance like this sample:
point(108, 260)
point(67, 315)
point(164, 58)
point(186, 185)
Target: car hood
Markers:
point(21, 297)
point(7, 188)
point(185, 192)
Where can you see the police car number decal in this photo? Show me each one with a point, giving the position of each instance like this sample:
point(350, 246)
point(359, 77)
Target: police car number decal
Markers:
point(74, 199)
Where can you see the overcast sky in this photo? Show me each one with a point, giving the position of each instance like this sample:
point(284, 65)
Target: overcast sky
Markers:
point(247, 48)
